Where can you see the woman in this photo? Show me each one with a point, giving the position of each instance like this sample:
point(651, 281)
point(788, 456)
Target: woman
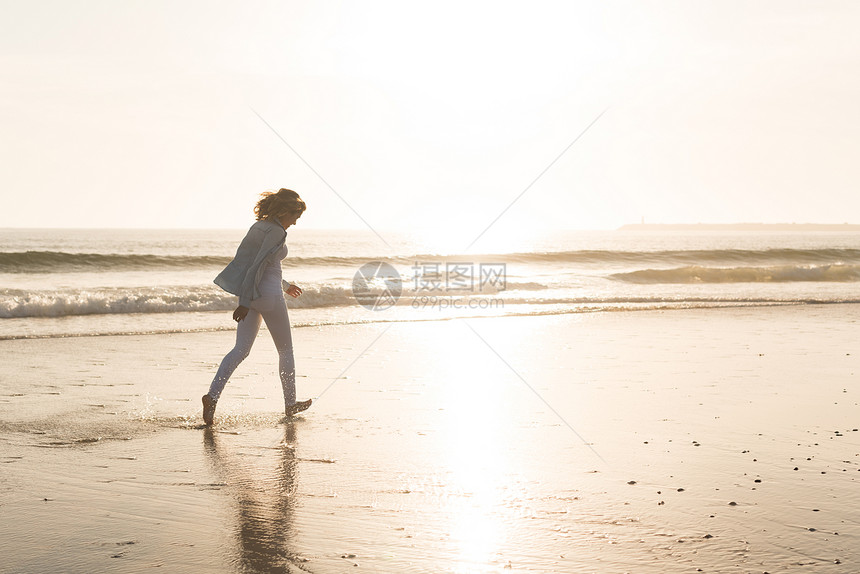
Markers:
point(255, 276)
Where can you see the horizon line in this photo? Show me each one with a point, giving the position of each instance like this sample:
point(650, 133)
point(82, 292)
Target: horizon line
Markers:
point(640, 225)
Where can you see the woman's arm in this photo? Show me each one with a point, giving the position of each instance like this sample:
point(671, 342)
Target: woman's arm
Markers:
point(240, 313)
point(290, 289)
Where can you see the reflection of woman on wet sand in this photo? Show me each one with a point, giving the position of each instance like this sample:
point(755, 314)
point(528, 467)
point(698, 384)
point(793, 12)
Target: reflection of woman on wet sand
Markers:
point(264, 504)
point(255, 276)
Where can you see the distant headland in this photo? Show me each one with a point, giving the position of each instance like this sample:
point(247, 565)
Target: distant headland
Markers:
point(801, 227)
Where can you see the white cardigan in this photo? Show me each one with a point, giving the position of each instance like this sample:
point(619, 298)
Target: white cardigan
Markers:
point(242, 275)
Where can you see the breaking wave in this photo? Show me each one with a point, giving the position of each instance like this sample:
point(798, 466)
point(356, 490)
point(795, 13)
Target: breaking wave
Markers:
point(774, 274)
point(56, 261)
point(109, 301)
point(180, 299)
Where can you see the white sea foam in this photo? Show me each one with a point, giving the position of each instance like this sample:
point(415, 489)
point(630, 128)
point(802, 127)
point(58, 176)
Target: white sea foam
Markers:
point(60, 303)
point(16, 303)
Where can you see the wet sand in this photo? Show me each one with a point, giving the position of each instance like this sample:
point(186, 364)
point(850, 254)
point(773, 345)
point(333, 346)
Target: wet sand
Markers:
point(720, 440)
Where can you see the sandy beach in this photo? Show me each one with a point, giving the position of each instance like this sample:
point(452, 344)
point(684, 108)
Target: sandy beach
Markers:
point(713, 440)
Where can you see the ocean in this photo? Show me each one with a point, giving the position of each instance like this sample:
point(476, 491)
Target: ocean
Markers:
point(61, 283)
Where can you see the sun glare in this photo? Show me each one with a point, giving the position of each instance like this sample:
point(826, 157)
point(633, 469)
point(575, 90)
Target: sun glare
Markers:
point(478, 412)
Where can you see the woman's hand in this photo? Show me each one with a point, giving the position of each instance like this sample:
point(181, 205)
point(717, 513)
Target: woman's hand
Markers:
point(240, 313)
point(294, 291)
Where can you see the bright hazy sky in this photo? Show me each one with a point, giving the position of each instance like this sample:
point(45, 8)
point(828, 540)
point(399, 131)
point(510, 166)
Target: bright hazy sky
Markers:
point(431, 115)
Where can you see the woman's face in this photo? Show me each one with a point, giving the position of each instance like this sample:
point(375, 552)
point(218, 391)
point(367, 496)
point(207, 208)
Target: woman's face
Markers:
point(289, 219)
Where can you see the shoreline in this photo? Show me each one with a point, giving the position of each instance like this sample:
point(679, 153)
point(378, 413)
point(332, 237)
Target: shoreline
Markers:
point(632, 307)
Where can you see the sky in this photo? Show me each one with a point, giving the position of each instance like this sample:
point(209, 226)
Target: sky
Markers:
point(448, 117)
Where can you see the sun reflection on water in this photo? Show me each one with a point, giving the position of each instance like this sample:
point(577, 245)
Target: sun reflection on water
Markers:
point(480, 478)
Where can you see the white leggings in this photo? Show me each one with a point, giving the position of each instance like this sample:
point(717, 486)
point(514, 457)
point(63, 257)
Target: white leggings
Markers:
point(274, 311)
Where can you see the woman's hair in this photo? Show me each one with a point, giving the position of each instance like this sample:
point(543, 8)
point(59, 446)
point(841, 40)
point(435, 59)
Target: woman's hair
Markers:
point(278, 203)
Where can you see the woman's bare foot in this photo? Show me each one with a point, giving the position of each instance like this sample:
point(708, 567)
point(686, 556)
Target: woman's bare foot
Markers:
point(298, 407)
point(208, 410)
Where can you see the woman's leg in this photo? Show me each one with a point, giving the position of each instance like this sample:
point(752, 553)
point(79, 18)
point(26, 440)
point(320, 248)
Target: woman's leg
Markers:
point(246, 332)
point(278, 323)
